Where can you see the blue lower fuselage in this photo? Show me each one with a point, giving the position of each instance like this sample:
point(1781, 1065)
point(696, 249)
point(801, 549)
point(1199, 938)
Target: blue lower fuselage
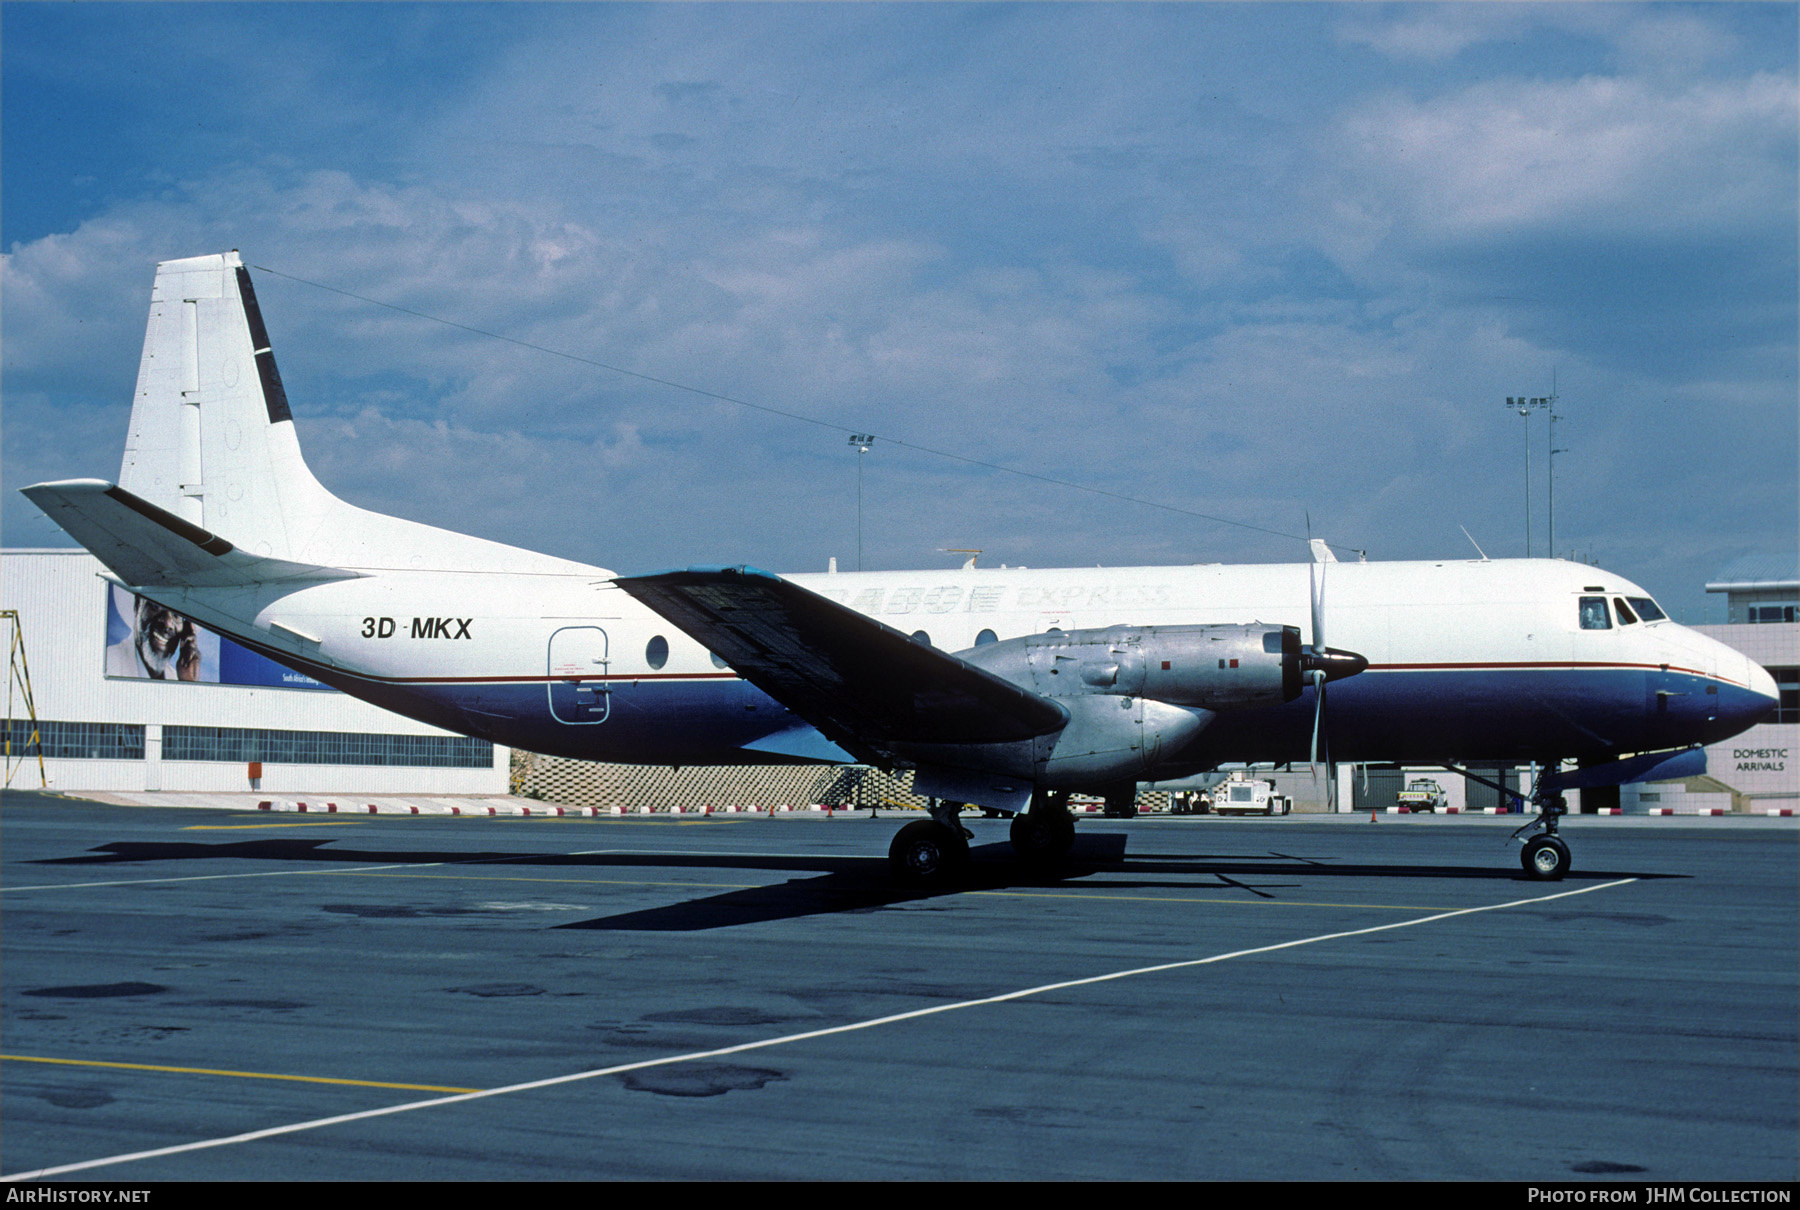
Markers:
point(1467, 715)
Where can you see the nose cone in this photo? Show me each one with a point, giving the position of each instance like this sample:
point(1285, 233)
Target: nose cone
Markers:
point(1744, 705)
point(1764, 695)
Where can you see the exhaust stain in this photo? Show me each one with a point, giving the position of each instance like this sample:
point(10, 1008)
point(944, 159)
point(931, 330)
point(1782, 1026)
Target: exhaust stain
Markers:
point(699, 1081)
point(98, 991)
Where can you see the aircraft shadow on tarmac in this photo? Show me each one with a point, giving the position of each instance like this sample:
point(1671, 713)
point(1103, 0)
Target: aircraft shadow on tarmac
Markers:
point(835, 884)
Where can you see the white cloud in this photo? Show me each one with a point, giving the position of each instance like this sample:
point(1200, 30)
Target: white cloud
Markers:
point(1167, 250)
point(1596, 153)
point(1436, 33)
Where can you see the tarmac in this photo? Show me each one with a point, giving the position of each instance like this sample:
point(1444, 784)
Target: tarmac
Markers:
point(245, 994)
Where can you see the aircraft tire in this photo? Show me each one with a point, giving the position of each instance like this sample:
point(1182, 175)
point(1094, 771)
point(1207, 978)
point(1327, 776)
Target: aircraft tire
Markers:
point(1545, 858)
point(1042, 838)
point(926, 853)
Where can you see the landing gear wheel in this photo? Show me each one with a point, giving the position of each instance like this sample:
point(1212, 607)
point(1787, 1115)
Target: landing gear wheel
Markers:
point(1042, 838)
point(926, 853)
point(1546, 858)
point(1121, 801)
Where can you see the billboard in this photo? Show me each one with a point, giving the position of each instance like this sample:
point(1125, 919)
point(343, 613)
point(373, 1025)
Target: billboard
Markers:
point(146, 641)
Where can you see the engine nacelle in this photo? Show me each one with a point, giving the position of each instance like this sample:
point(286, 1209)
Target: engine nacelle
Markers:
point(1213, 667)
point(1108, 738)
point(1135, 696)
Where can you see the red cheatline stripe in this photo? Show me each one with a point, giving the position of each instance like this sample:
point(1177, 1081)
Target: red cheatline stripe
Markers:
point(1501, 664)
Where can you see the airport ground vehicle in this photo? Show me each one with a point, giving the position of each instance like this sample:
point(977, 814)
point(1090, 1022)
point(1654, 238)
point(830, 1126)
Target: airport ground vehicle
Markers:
point(1423, 794)
point(1245, 795)
point(1190, 802)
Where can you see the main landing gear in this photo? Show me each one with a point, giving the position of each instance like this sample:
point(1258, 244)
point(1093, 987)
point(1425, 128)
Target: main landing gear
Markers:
point(932, 852)
point(1042, 836)
point(1546, 856)
point(935, 851)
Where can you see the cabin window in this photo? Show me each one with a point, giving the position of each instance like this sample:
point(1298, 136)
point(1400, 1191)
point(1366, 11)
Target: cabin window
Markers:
point(656, 652)
point(919, 636)
point(1593, 614)
point(717, 662)
point(986, 637)
point(1647, 610)
point(1626, 617)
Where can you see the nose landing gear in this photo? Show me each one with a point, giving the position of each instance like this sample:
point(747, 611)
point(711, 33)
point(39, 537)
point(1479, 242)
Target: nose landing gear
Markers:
point(1546, 856)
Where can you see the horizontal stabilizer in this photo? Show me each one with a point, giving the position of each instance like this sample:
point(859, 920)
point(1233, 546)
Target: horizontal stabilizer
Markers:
point(864, 685)
point(148, 547)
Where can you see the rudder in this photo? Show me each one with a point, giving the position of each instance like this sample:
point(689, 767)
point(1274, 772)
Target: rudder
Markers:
point(211, 438)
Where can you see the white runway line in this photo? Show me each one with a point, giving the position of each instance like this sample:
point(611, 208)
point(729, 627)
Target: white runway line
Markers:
point(553, 1081)
point(361, 869)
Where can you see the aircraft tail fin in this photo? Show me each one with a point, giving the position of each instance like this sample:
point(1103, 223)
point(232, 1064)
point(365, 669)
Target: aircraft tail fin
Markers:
point(212, 445)
point(211, 438)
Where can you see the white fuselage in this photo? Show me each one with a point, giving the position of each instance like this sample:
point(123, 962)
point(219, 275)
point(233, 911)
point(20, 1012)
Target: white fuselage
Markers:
point(1468, 660)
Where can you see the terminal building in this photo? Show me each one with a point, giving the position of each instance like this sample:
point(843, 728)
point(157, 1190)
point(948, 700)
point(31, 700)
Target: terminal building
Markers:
point(1762, 607)
point(130, 697)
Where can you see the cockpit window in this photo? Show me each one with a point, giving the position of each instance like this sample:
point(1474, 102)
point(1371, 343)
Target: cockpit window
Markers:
point(1593, 614)
point(1647, 609)
point(1626, 617)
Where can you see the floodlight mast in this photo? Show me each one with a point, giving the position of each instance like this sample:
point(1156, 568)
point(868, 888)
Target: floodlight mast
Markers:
point(1525, 406)
point(1554, 451)
point(862, 442)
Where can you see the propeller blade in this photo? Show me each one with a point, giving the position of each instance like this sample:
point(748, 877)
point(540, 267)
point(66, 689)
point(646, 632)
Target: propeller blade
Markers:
point(1322, 665)
point(1318, 679)
point(1315, 582)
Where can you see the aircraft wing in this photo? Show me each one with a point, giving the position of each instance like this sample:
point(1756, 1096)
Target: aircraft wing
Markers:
point(864, 685)
point(149, 547)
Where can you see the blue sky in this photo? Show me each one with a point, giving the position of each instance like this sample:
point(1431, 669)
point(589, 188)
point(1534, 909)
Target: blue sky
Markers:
point(1248, 261)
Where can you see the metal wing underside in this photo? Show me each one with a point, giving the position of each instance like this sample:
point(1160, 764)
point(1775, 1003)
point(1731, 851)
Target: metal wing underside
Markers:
point(865, 686)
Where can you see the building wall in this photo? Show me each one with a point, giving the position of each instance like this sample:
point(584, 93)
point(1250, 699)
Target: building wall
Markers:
point(1761, 765)
point(62, 605)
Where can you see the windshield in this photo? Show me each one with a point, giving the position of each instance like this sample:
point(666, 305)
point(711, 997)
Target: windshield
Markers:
point(1647, 609)
point(1593, 614)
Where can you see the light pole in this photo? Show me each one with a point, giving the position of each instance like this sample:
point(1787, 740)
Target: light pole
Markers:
point(1525, 406)
point(862, 442)
point(1553, 453)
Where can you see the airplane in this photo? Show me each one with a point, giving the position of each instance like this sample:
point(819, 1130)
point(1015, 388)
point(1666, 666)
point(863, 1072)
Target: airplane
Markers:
point(1004, 688)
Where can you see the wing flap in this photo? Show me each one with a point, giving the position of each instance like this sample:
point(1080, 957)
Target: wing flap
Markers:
point(150, 547)
point(865, 686)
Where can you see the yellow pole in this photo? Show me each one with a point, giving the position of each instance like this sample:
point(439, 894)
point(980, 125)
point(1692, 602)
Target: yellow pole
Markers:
point(18, 674)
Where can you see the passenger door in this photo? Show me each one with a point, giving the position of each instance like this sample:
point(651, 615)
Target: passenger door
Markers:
point(579, 693)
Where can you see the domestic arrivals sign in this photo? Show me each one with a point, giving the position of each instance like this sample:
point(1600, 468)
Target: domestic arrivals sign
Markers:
point(147, 641)
point(1760, 760)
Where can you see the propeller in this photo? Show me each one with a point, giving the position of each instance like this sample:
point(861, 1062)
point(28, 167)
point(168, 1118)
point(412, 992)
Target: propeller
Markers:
point(1321, 664)
point(1315, 672)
